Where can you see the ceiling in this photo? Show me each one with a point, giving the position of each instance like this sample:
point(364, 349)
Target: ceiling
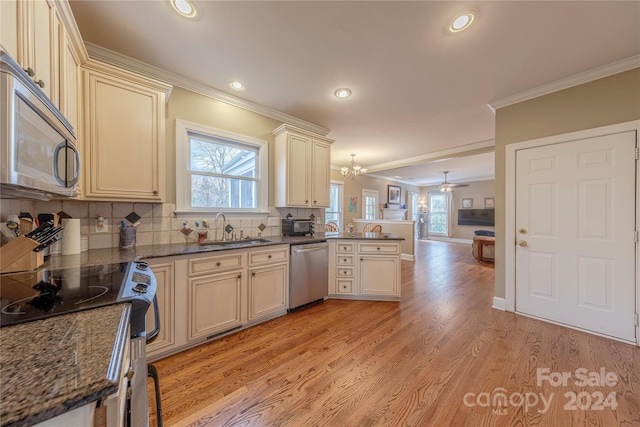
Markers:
point(417, 88)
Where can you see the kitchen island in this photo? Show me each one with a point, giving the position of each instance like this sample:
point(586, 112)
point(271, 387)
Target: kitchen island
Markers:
point(61, 365)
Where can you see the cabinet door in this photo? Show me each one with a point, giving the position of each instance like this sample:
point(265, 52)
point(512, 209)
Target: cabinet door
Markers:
point(297, 171)
point(9, 27)
point(321, 176)
point(268, 290)
point(165, 278)
point(215, 304)
point(379, 275)
point(124, 128)
point(44, 46)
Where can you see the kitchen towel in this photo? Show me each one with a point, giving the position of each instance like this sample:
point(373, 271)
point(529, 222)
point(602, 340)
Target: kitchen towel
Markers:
point(70, 236)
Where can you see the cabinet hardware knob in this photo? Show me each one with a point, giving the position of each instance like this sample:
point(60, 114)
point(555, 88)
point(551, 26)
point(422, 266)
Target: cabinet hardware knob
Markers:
point(522, 243)
point(239, 276)
point(155, 192)
point(29, 71)
point(40, 83)
point(345, 260)
point(306, 201)
point(378, 248)
point(129, 373)
point(218, 264)
point(253, 273)
point(269, 257)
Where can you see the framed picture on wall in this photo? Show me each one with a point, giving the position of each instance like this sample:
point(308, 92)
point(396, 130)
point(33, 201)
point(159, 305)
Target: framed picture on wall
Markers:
point(394, 194)
point(488, 203)
point(467, 203)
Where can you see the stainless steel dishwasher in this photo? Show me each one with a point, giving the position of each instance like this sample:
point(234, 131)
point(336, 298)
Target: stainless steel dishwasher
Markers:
point(309, 274)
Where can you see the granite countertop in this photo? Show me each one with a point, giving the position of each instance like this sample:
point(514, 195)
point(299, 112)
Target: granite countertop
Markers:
point(116, 255)
point(51, 366)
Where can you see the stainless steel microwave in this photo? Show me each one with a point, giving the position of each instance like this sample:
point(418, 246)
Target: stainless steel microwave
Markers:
point(297, 227)
point(38, 155)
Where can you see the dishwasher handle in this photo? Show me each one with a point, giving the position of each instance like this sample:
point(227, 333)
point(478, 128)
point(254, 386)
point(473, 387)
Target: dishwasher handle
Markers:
point(309, 247)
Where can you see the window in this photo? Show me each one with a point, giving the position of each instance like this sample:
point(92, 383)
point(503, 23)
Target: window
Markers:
point(218, 170)
point(334, 212)
point(438, 213)
point(369, 204)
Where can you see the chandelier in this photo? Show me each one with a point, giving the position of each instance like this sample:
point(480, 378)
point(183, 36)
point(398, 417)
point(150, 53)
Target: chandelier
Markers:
point(446, 186)
point(354, 171)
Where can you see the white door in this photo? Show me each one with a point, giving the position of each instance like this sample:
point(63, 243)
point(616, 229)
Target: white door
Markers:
point(575, 223)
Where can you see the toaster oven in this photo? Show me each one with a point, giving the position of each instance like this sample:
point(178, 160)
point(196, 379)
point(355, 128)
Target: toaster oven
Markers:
point(297, 227)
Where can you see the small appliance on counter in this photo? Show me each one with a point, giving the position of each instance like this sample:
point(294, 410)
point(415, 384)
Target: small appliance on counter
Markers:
point(298, 227)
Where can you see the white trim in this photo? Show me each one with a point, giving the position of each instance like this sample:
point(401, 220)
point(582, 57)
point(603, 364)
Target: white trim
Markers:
point(448, 239)
point(460, 151)
point(113, 58)
point(510, 204)
point(369, 193)
point(575, 80)
point(408, 257)
point(183, 205)
point(498, 303)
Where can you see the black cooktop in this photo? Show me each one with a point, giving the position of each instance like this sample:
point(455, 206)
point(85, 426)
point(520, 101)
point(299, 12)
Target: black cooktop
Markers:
point(46, 293)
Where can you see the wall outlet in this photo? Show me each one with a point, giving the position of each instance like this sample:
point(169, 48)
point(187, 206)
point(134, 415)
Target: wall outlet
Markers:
point(273, 221)
point(319, 220)
point(102, 226)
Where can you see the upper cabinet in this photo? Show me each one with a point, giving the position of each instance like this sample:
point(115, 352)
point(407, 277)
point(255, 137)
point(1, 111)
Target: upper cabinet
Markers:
point(124, 134)
point(303, 168)
point(38, 34)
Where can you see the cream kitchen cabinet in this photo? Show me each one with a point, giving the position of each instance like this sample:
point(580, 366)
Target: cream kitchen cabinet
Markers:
point(217, 294)
point(364, 269)
point(268, 282)
point(165, 277)
point(124, 134)
point(303, 168)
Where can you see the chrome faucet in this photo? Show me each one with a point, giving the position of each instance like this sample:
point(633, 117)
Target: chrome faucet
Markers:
point(224, 224)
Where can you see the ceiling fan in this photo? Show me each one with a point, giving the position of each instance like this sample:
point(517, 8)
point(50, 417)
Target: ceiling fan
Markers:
point(447, 187)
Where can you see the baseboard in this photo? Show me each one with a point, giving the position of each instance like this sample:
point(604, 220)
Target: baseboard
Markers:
point(499, 303)
point(449, 239)
point(408, 257)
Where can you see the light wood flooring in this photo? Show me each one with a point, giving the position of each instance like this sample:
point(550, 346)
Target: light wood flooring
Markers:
point(440, 357)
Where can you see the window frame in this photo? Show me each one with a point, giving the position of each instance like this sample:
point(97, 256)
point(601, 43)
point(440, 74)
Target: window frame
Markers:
point(339, 212)
point(446, 214)
point(183, 172)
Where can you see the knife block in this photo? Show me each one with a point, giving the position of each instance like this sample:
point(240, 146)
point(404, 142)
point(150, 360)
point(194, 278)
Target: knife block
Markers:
point(18, 255)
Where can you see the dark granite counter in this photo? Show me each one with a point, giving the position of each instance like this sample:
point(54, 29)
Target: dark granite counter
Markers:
point(51, 366)
point(115, 255)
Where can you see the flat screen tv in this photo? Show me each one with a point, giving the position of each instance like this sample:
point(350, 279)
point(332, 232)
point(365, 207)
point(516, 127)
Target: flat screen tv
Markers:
point(476, 217)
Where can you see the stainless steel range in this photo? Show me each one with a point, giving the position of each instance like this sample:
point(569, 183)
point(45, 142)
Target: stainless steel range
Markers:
point(30, 296)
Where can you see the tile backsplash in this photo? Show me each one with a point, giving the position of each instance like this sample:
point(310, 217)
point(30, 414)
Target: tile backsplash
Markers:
point(158, 223)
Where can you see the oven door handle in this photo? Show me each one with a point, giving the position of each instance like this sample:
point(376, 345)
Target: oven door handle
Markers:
point(156, 316)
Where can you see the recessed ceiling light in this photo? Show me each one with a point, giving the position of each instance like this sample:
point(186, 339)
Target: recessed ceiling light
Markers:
point(342, 92)
point(461, 22)
point(184, 8)
point(237, 86)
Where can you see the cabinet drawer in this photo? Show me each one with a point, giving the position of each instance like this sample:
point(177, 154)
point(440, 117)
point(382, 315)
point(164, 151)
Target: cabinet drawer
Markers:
point(279, 254)
point(344, 271)
point(215, 264)
point(344, 259)
point(344, 286)
point(378, 248)
point(344, 247)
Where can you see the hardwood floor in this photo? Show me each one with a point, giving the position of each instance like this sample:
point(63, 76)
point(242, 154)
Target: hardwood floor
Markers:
point(440, 357)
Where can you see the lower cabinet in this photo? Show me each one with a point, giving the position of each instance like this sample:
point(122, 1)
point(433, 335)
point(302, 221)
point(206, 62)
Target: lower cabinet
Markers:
point(267, 295)
point(215, 304)
point(364, 269)
point(206, 295)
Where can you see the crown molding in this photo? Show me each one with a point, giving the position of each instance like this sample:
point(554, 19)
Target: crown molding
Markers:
point(73, 33)
point(575, 80)
point(459, 151)
point(114, 58)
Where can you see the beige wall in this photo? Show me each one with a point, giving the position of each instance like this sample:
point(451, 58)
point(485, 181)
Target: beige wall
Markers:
point(193, 107)
point(355, 187)
point(477, 191)
point(611, 100)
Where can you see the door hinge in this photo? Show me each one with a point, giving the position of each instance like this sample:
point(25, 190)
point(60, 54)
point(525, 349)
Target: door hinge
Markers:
point(637, 153)
point(635, 319)
point(635, 236)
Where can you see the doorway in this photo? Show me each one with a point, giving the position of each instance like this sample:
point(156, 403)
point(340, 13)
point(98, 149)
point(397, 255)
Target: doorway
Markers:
point(574, 222)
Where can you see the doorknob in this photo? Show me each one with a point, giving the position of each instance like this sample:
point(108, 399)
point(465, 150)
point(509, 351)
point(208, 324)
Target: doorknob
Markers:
point(522, 243)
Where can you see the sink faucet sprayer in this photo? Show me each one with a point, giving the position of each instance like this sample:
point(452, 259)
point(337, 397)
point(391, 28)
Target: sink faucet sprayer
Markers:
point(224, 223)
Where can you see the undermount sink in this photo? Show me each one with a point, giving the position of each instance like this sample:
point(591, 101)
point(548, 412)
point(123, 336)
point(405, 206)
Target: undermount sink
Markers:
point(235, 243)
